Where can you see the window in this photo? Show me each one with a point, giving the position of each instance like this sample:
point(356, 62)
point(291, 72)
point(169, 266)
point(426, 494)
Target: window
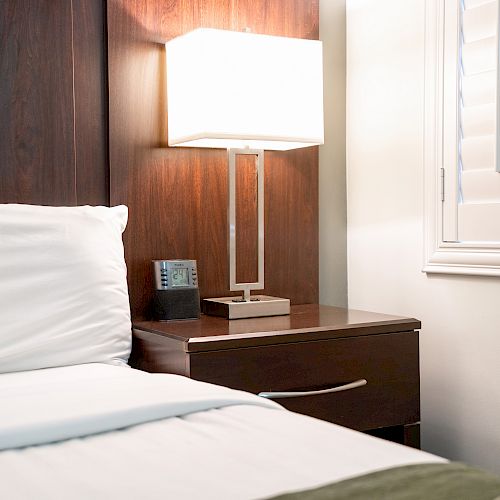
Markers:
point(462, 175)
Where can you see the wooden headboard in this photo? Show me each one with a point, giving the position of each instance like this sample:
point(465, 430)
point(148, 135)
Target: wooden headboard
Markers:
point(64, 64)
point(53, 103)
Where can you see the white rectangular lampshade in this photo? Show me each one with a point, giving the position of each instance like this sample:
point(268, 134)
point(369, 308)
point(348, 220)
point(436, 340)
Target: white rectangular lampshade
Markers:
point(230, 89)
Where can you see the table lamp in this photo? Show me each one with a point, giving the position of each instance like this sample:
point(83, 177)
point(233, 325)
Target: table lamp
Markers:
point(246, 93)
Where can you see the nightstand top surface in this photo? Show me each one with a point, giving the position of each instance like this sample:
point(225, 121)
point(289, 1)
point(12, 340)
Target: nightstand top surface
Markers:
point(305, 322)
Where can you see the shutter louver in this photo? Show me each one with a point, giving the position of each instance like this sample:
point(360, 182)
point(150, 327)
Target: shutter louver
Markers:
point(478, 88)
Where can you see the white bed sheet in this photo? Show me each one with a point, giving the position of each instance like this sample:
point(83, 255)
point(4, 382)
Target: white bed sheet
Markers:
point(243, 447)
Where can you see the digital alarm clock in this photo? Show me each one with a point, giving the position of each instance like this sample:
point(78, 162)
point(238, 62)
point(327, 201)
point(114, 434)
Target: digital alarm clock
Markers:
point(176, 290)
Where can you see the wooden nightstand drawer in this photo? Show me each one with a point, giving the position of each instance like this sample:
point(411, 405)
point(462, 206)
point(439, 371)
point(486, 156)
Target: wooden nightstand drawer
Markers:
point(388, 362)
point(314, 348)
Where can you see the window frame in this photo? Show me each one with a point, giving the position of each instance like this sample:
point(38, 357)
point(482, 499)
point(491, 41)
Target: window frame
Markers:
point(440, 219)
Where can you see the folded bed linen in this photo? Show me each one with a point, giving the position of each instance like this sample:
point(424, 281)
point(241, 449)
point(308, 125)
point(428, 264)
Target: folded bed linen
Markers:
point(61, 403)
point(103, 432)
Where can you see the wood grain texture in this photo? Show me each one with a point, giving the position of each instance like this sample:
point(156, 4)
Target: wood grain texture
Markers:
point(246, 219)
point(389, 363)
point(306, 322)
point(91, 113)
point(178, 197)
point(157, 354)
point(52, 102)
point(37, 160)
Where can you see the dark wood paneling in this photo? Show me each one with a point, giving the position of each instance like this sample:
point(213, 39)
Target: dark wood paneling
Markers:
point(91, 113)
point(37, 160)
point(291, 220)
point(177, 197)
point(51, 65)
point(247, 249)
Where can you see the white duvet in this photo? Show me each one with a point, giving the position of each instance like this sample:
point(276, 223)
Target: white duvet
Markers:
point(60, 403)
point(105, 432)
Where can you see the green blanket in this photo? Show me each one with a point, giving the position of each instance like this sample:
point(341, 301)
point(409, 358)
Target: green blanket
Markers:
point(449, 481)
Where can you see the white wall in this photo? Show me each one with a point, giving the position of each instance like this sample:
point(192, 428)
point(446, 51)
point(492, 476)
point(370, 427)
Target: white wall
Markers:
point(460, 339)
point(332, 184)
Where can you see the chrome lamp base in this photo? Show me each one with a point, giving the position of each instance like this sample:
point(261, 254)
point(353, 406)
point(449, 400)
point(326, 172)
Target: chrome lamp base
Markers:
point(235, 308)
point(248, 306)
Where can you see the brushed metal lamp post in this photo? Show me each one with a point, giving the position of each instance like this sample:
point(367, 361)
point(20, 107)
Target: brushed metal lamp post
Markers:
point(246, 93)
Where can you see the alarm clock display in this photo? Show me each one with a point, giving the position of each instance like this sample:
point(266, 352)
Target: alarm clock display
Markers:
point(180, 277)
point(170, 274)
point(176, 290)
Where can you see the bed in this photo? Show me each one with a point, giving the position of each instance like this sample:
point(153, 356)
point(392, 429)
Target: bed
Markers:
point(78, 423)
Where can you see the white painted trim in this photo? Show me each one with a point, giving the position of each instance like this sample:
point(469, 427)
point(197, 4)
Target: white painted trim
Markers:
point(441, 256)
point(449, 33)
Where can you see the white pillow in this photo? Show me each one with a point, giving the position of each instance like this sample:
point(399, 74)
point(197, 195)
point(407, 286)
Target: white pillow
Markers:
point(63, 287)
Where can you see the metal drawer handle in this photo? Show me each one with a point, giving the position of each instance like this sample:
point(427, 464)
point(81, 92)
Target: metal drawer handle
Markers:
point(298, 394)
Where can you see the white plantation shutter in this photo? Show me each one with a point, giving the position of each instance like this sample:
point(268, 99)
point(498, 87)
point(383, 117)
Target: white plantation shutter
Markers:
point(478, 216)
point(462, 137)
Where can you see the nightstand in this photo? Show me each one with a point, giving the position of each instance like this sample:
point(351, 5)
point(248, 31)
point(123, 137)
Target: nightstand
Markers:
point(314, 349)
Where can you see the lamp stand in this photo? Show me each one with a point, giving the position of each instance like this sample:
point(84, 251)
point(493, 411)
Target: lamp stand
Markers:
point(247, 306)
